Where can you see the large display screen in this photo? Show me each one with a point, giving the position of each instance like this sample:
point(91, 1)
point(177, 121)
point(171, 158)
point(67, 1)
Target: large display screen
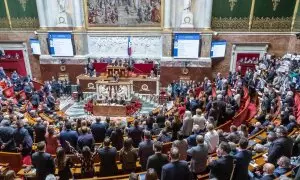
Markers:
point(186, 45)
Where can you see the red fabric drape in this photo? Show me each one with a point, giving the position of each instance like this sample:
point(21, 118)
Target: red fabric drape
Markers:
point(143, 68)
point(9, 65)
point(100, 67)
point(245, 66)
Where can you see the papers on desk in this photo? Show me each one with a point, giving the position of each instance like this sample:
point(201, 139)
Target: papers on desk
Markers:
point(253, 164)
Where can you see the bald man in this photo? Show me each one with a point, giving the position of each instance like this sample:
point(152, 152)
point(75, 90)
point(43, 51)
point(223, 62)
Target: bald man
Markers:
point(268, 172)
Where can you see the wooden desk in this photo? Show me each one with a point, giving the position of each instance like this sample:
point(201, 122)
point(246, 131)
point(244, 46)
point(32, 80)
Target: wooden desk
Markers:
point(109, 110)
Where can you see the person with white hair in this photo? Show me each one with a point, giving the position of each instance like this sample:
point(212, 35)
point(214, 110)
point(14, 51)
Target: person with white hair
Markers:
point(284, 166)
point(187, 126)
point(200, 120)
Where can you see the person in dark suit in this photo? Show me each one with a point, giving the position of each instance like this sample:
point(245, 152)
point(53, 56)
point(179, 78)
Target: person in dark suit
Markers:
point(176, 169)
point(85, 139)
point(22, 139)
point(282, 146)
point(43, 162)
point(98, 130)
point(135, 133)
point(221, 168)
point(68, 135)
point(35, 99)
point(108, 159)
point(145, 149)
point(199, 155)
point(7, 143)
point(39, 130)
point(243, 159)
point(157, 160)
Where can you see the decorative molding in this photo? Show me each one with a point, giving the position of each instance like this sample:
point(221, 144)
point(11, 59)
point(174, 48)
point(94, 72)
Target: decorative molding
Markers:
point(275, 4)
point(271, 24)
point(230, 24)
point(232, 4)
point(25, 23)
point(4, 23)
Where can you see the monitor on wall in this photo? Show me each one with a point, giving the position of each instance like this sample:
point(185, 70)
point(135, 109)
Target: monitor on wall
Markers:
point(186, 45)
point(61, 44)
point(218, 49)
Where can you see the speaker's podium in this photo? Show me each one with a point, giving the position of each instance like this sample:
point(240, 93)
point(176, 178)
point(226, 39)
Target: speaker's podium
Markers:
point(111, 70)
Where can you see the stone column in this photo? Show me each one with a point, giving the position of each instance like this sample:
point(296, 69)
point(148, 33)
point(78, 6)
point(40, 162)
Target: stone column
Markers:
point(208, 14)
point(78, 15)
point(199, 13)
point(41, 13)
point(167, 15)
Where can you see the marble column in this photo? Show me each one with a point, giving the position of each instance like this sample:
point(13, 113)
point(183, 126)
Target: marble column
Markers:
point(41, 13)
point(78, 15)
point(199, 13)
point(208, 14)
point(167, 15)
point(202, 13)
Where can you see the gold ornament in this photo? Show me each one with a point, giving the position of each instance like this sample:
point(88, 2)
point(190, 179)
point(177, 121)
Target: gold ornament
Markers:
point(23, 4)
point(232, 4)
point(275, 4)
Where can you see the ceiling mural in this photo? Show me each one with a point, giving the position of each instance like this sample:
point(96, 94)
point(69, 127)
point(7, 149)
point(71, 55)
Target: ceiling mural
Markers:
point(273, 15)
point(18, 14)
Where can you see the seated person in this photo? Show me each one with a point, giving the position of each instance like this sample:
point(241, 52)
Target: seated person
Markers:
point(257, 127)
point(283, 166)
point(292, 124)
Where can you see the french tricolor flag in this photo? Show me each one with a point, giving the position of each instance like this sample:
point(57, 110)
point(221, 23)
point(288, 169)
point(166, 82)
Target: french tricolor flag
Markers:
point(129, 47)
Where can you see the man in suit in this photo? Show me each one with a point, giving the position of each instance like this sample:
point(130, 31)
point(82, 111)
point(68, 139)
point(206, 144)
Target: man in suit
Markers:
point(282, 146)
point(39, 130)
point(7, 143)
point(268, 170)
point(157, 160)
point(85, 139)
point(145, 149)
point(98, 130)
point(35, 99)
point(233, 136)
point(284, 164)
point(43, 162)
point(176, 169)
point(243, 159)
point(135, 133)
point(22, 138)
point(108, 159)
point(199, 156)
point(68, 135)
point(221, 168)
